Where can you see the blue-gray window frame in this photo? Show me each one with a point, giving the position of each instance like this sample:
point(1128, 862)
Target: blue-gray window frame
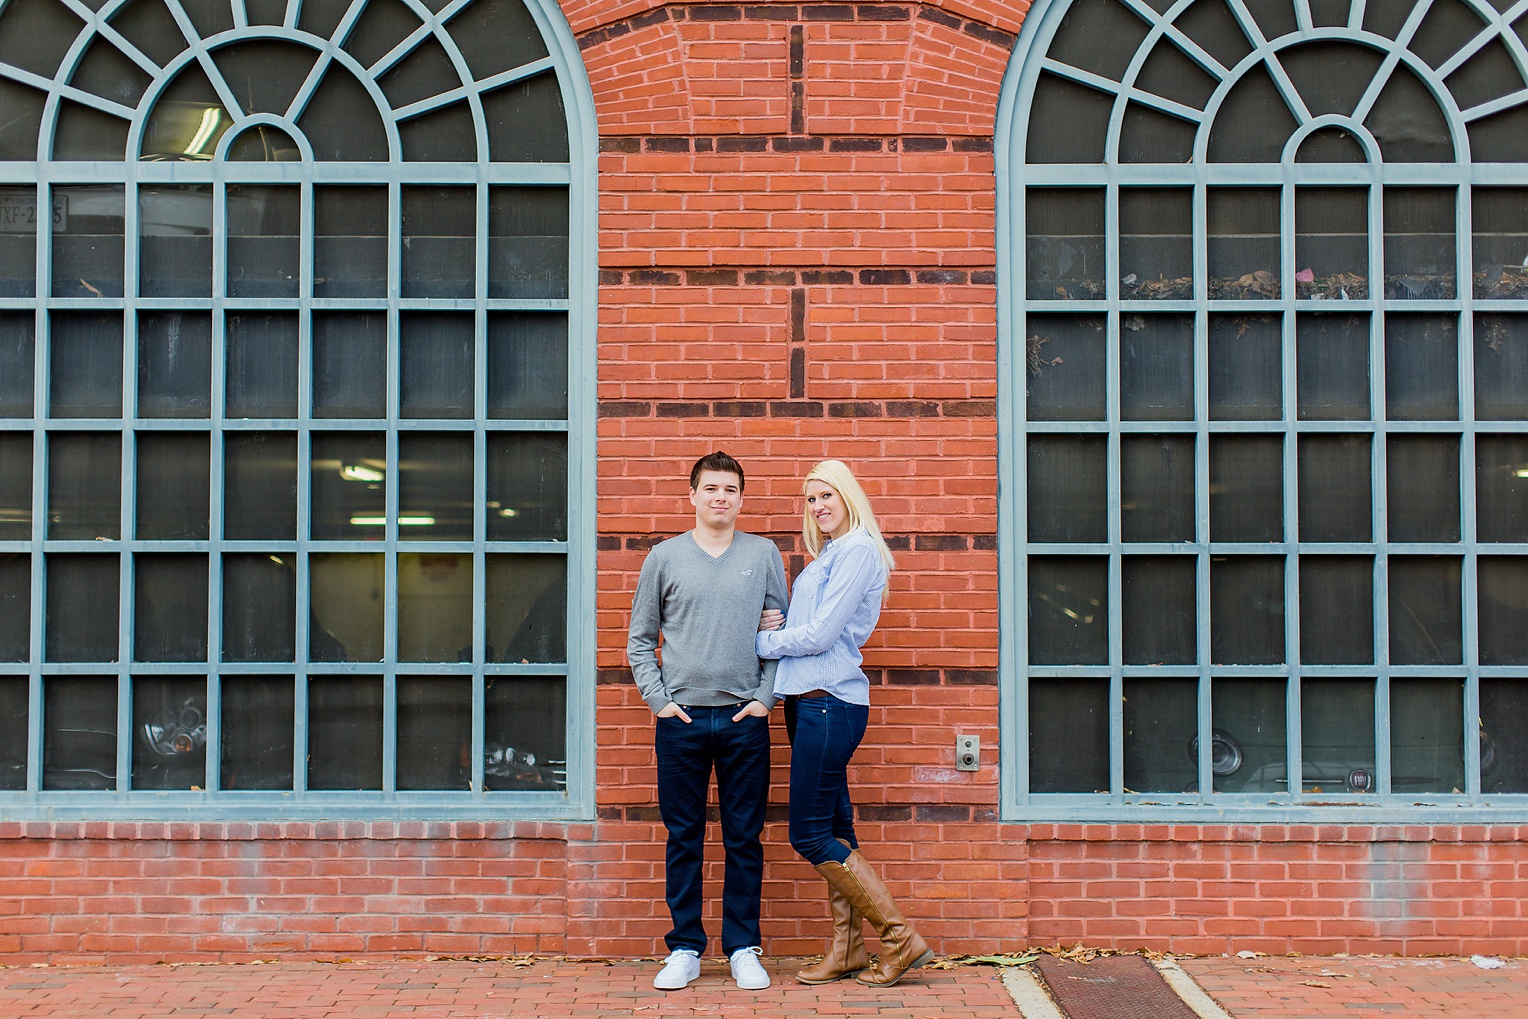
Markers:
point(579, 175)
point(1014, 177)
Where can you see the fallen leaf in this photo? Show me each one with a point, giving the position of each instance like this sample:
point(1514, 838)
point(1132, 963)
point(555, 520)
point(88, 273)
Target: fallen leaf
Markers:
point(1315, 983)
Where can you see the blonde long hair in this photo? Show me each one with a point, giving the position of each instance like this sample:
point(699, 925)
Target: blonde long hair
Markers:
point(837, 476)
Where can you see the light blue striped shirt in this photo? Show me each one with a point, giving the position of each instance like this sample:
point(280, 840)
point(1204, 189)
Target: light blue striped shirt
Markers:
point(834, 606)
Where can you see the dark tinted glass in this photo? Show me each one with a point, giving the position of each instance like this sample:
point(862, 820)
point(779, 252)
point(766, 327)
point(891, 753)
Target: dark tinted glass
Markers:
point(1335, 498)
point(1332, 367)
point(1426, 625)
point(263, 231)
point(15, 486)
point(261, 365)
point(260, 486)
point(18, 364)
point(1337, 609)
point(174, 364)
point(1246, 488)
point(170, 608)
point(1066, 359)
point(1068, 735)
point(18, 239)
point(1068, 610)
point(346, 620)
point(526, 120)
point(81, 624)
point(1503, 736)
point(1337, 735)
point(1160, 725)
point(527, 486)
point(1501, 367)
point(435, 486)
point(13, 731)
point(436, 365)
point(1247, 610)
point(345, 732)
point(348, 491)
point(175, 241)
point(434, 732)
point(1419, 244)
point(1423, 484)
point(1157, 601)
point(1156, 367)
point(85, 377)
point(1251, 735)
point(79, 738)
point(1067, 488)
point(1503, 609)
point(1246, 368)
point(1421, 367)
point(1501, 487)
point(15, 608)
point(528, 242)
point(349, 365)
point(1243, 243)
point(259, 608)
point(439, 240)
point(172, 490)
point(84, 485)
point(350, 242)
point(1331, 243)
point(1156, 260)
point(87, 243)
point(527, 365)
point(1426, 735)
point(1064, 255)
point(257, 732)
point(525, 732)
point(169, 732)
point(527, 608)
point(434, 607)
point(1500, 224)
point(1157, 487)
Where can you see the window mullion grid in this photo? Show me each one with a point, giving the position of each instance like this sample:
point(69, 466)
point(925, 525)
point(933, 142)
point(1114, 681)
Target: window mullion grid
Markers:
point(304, 581)
point(1288, 238)
point(128, 561)
point(477, 734)
point(214, 713)
point(1112, 485)
point(37, 597)
point(1019, 709)
point(1203, 721)
point(1379, 495)
point(1464, 260)
point(390, 488)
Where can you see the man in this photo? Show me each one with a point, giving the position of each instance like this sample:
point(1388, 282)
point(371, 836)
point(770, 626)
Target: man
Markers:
point(703, 592)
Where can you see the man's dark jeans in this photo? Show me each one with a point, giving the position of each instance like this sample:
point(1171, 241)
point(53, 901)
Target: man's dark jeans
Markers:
point(687, 752)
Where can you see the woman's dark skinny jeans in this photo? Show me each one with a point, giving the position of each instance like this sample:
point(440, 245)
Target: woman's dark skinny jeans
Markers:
point(824, 733)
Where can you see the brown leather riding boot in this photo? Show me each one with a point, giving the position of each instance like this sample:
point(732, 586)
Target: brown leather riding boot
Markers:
point(901, 947)
point(846, 952)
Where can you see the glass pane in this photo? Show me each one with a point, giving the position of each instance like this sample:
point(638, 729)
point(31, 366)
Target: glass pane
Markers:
point(1501, 367)
point(1098, 36)
point(434, 608)
point(527, 487)
point(1156, 259)
point(344, 732)
point(527, 365)
point(259, 608)
point(15, 486)
point(175, 253)
point(263, 231)
point(434, 732)
point(1419, 244)
point(85, 380)
point(1156, 367)
point(264, 74)
point(341, 120)
point(497, 37)
point(15, 609)
point(87, 243)
point(1503, 610)
point(13, 732)
point(84, 485)
point(1331, 243)
point(1337, 735)
point(1423, 487)
point(1251, 733)
point(1067, 491)
point(1247, 610)
point(1148, 136)
point(18, 360)
point(1158, 610)
point(1332, 367)
point(1426, 735)
point(1064, 255)
point(260, 486)
point(169, 732)
point(1331, 145)
point(1160, 727)
point(257, 732)
point(1500, 244)
point(1335, 499)
point(1066, 368)
point(1503, 736)
point(444, 135)
point(1068, 122)
point(264, 144)
point(173, 472)
point(1426, 625)
point(262, 365)
point(350, 242)
point(174, 364)
point(1068, 735)
point(1254, 121)
point(424, 73)
point(525, 732)
point(349, 486)
point(528, 242)
point(81, 620)
point(435, 486)
point(437, 354)
point(188, 121)
point(1069, 610)
point(1246, 368)
point(527, 608)
point(1157, 487)
point(1337, 610)
point(346, 622)
point(170, 608)
point(18, 238)
point(1246, 488)
point(438, 242)
point(19, 131)
point(349, 365)
point(1421, 367)
point(1406, 119)
point(79, 738)
point(1331, 76)
point(1501, 487)
point(526, 120)
point(1243, 243)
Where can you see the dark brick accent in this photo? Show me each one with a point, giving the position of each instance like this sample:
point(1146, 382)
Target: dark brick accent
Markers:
point(607, 543)
point(643, 814)
point(610, 814)
point(798, 316)
point(917, 144)
point(715, 12)
point(970, 677)
point(827, 277)
point(795, 409)
point(798, 373)
point(885, 277)
point(856, 144)
point(947, 812)
point(798, 105)
point(985, 815)
point(986, 33)
point(881, 812)
point(912, 409)
point(784, 542)
point(940, 542)
point(739, 408)
point(612, 277)
point(666, 143)
point(984, 277)
point(827, 12)
point(855, 409)
point(652, 277)
point(796, 61)
point(705, 144)
point(777, 812)
point(941, 276)
point(912, 677)
point(970, 408)
point(684, 410)
point(939, 17)
point(984, 542)
point(898, 542)
point(642, 543)
point(809, 143)
point(770, 12)
point(973, 144)
point(626, 409)
point(876, 677)
point(741, 143)
point(711, 277)
point(770, 277)
point(657, 16)
point(612, 677)
point(878, 12)
point(620, 144)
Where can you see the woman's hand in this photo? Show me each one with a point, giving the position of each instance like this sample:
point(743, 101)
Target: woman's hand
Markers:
point(771, 619)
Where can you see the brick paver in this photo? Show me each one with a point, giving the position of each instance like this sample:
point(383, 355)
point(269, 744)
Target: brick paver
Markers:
point(487, 990)
point(1362, 986)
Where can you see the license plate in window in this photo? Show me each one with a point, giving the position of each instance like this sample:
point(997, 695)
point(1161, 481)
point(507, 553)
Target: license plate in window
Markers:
point(18, 213)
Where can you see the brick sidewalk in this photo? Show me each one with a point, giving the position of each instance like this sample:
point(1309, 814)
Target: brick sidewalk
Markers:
point(1362, 986)
point(486, 990)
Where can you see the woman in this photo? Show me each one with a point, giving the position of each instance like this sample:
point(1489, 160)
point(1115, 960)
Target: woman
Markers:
point(834, 606)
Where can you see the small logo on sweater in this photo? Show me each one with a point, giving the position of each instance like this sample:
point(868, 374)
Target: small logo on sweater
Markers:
point(746, 573)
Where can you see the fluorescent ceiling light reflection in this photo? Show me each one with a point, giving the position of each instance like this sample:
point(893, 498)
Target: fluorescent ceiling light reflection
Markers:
point(509, 511)
point(209, 124)
point(361, 472)
point(418, 520)
point(1521, 472)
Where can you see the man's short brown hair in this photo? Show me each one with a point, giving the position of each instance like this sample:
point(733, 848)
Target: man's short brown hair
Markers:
point(717, 461)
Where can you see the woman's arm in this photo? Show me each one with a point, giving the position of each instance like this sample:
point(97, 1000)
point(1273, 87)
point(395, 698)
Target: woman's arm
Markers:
point(854, 575)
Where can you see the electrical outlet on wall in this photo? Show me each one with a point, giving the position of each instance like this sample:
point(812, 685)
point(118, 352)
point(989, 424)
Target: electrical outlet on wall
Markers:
point(968, 753)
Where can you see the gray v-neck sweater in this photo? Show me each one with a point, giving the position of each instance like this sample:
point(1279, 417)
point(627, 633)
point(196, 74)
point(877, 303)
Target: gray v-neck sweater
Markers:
point(707, 611)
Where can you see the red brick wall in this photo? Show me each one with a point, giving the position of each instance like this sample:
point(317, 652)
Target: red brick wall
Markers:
point(797, 261)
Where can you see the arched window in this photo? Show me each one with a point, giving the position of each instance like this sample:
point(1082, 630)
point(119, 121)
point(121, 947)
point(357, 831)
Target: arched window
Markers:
point(295, 383)
point(1266, 462)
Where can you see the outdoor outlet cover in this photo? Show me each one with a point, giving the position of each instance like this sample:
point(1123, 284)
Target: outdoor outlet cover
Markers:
point(968, 753)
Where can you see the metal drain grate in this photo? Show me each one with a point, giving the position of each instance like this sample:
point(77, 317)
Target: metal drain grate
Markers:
point(1112, 987)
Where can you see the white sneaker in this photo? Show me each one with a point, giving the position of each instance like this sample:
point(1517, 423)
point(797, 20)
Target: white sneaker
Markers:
point(681, 967)
point(750, 976)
